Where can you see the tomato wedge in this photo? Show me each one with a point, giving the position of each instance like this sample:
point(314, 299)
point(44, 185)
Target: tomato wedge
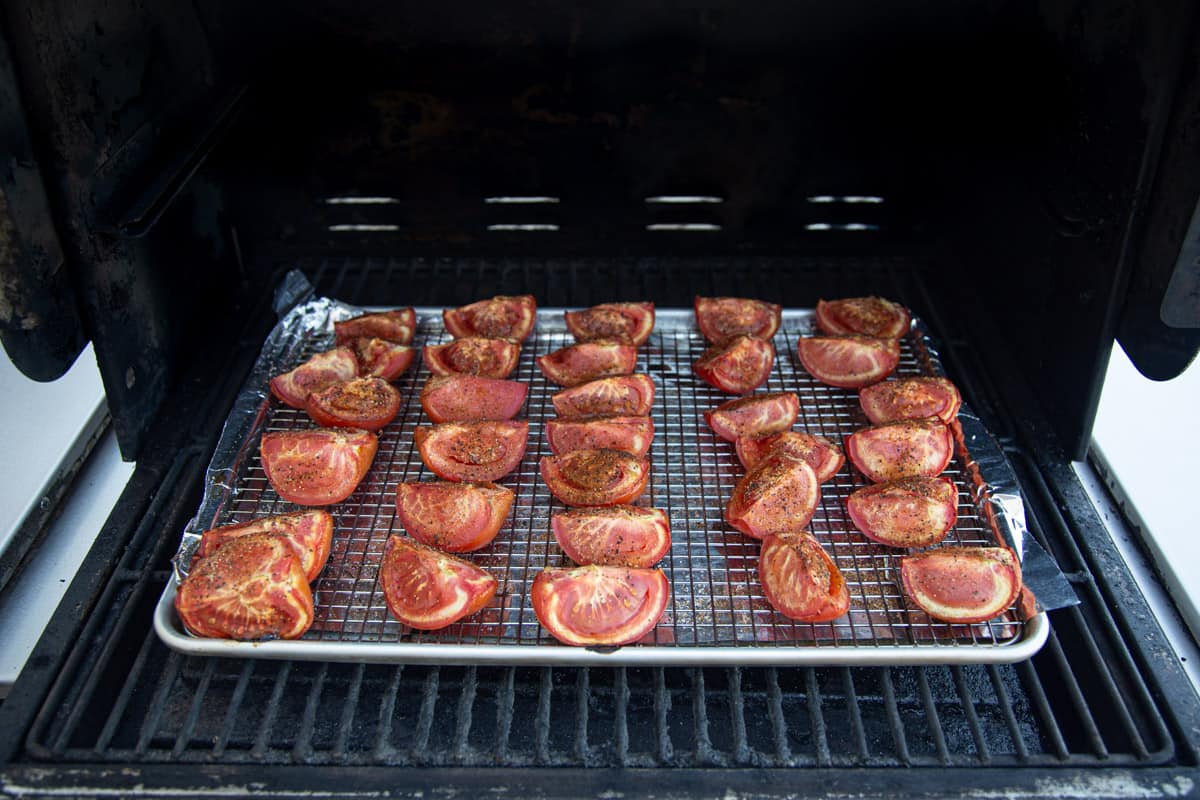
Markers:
point(317, 467)
point(633, 435)
point(427, 589)
point(627, 323)
point(394, 326)
point(909, 512)
point(379, 358)
point(722, 318)
point(473, 355)
point(962, 584)
point(367, 403)
point(822, 455)
point(621, 536)
point(800, 580)
point(319, 372)
point(849, 362)
point(756, 415)
point(625, 395)
point(587, 361)
point(454, 517)
point(476, 452)
point(910, 398)
point(310, 533)
point(501, 317)
point(738, 366)
point(596, 605)
point(870, 316)
point(251, 588)
point(458, 398)
point(595, 477)
point(780, 494)
point(906, 449)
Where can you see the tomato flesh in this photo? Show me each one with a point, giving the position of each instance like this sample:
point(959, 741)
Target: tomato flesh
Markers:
point(319, 372)
point(459, 398)
point(379, 358)
point(473, 355)
point(738, 366)
point(476, 452)
point(624, 395)
point(906, 449)
point(909, 512)
point(310, 533)
point(317, 467)
point(849, 362)
point(910, 398)
point(632, 435)
point(595, 477)
point(623, 536)
point(627, 323)
point(454, 517)
point(596, 605)
point(869, 316)
point(722, 318)
point(426, 589)
point(779, 494)
point(800, 580)
point(822, 455)
point(394, 326)
point(366, 403)
point(587, 361)
point(962, 584)
point(500, 317)
point(756, 415)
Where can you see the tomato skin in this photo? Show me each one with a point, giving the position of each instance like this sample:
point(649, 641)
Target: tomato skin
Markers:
point(310, 533)
point(754, 415)
point(627, 323)
point(722, 318)
point(427, 589)
point(910, 398)
point(317, 467)
point(499, 317)
point(379, 358)
point(869, 316)
point(822, 455)
point(453, 517)
point(738, 366)
point(632, 435)
point(476, 452)
point(909, 512)
point(800, 580)
point(460, 398)
point(595, 477)
point(595, 605)
point(849, 362)
point(587, 361)
point(624, 395)
point(319, 372)
point(962, 584)
point(779, 494)
point(473, 355)
point(906, 449)
point(396, 326)
point(622, 536)
point(366, 403)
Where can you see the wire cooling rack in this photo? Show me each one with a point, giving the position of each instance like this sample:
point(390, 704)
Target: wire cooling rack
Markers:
point(717, 612)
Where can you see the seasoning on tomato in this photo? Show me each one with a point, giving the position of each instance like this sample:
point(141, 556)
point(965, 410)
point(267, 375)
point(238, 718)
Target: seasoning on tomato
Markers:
point(595, 605)
point(850, 361)
point(454, 517)
point(595, 477)
point(627, 323)
point(910, 398)
point(396, 326)
point(309, 532)
point(870, 316)
point(722, 318)
point(367, 403)
point(962, 584)
point(908, 512)
point(587, 361)
point(624, 395)
point(319, 372)
point(427, 589)
point(473, 355)
point(317, 467)
point(755, 415)
point(799, 578)
point(738, 366)
point(623, 536)
point(780, 494)
point(459, 398)
point(500, 317)
point(905, 449)
point(632, 435)
point(477, 452)
point(822, 455)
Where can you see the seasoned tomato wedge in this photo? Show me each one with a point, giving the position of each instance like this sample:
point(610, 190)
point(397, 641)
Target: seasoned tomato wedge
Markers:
point(822, 455)
point(780, 494)
point(620, 536)
point(625, 395)
point(596, 605)
point(367, 403)
point(870, 316)
point(722, 318)
point(909, 512)
point(595, 477)
point(472, 451)
point(500, 317)
point(253, 587)
point(394, 326)
point(379, 358)
point(310, 533)
point(962, 584)
point(458, 398)
point(906, 449)
point(319, 466)
point(455, 517)
point(319, 372)
point(849, 362)
point(473, 355)
point(630, 434)
point(627, 323)
point(587, 361)
point(427, 589)
point(756, 415)
point(800, 580)
point(910, 398)
point(738, 366)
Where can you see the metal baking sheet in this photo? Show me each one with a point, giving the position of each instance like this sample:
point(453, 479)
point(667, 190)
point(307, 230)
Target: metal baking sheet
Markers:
point(716, 614)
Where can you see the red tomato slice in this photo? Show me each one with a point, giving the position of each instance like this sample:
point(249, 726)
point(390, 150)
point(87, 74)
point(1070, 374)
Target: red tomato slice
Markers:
point(722, 318)
point(367, 403)
point(909, 512)
point(454, 517)
point(849, 362)
point(625, 395)
point(910, 398)
point(427, 589)
point(500, 317)
point(317, 467)
point(310, 533)
point(780, 494)
point(379, 358)
point(870, 316)
point(739, 366)
point(620, 536)
point(476, 452)
point(962, 584)
point(319, 372)
point(458, 398)
point(394, 326)
point(473, 355)
point(632, 435)
point(596, 605)
point(800, 580)
point(251, 588)
point(595, 477)
point(627, 323)
point(756, 415)
point(587, 361)
point(906, 449)
point(822, 455)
